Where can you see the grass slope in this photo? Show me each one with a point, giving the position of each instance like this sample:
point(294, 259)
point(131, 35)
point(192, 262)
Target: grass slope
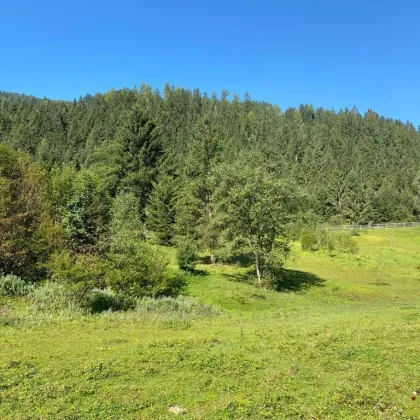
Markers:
point(331, 345)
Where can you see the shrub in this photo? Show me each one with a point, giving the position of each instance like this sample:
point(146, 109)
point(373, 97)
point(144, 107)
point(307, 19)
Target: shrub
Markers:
point(326, 239)
point(107, 300)
point(11, 285)
point(139, 269)
point(81, 273)
point(186, 255)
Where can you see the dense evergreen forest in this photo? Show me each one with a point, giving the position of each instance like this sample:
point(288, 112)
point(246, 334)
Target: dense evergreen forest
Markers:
point(78, 178)
point(357, 168)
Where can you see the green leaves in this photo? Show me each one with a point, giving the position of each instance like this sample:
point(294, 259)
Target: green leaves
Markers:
point(23, 213)
point(81, 207)
point(134, 266)
point(80, 272)
point(253, 209)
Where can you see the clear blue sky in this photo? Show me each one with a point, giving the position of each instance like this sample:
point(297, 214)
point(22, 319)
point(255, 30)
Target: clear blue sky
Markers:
point(329, 53)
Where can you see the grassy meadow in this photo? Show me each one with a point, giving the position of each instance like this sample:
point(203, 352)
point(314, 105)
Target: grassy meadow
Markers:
point(339, 339)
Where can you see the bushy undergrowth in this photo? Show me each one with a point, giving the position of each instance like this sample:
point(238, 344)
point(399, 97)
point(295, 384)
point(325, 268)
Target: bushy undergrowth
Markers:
point(345, 243)
point(186, 255)
point(325, 239)
point(11, 285)
point(80, 273)
point(309, 240)
point(139, 269)
point(107, 300)
point(52, 298)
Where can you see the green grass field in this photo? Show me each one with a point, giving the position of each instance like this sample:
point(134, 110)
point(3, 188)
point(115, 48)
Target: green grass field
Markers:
point(340, 340)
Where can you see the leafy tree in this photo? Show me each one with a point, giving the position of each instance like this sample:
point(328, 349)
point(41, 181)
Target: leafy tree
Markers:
point(254, 209)
point(107, 163)
point(27, 236)
point(80, 205)
point(125, 216)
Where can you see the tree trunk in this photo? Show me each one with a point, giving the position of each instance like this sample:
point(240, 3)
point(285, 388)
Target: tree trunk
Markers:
point(257, 269)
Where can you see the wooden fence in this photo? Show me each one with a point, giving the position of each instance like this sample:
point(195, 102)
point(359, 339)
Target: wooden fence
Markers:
point(376, 226)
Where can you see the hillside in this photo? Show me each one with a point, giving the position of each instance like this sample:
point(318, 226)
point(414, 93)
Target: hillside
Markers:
point(335, 342)
point(356, 168)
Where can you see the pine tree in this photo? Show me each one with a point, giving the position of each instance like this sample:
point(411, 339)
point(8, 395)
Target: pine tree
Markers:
point(160, 210)
point(195, 217)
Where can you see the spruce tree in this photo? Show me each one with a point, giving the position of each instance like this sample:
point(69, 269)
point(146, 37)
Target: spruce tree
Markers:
point(160, 210)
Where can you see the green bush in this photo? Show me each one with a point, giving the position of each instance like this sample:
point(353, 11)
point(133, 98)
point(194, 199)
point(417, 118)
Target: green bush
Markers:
point(81, 273)
point(186, 255)
point(326, 239)
point(107, 300)
point(139, 269)
point(11, 285)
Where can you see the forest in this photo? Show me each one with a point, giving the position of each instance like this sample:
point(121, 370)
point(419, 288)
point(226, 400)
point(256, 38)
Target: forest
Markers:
point(92, 189)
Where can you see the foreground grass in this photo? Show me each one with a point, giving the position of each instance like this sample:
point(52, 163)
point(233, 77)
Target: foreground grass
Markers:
point(330, 344)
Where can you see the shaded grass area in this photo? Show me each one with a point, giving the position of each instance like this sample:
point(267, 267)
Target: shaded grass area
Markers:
point(295, 280)
point(330, 344)
point(284, 279)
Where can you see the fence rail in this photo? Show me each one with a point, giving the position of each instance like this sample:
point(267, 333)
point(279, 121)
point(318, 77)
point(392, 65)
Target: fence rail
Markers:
point(376, 226)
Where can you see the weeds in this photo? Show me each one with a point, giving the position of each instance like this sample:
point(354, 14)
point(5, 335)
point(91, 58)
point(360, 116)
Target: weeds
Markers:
point(11, 285)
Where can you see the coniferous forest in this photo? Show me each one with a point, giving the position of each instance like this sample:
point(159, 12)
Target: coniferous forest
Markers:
point(90, 188)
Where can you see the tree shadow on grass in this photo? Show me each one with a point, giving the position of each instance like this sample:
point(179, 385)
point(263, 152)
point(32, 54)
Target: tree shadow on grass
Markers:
point(286, 280)
point(196, 272)
point(248, 277)
point(282, 280)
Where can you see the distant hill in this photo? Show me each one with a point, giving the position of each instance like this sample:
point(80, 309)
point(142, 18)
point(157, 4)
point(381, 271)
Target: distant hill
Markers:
point(356, 168)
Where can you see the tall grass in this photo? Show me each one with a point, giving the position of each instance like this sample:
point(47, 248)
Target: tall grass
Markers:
point(11, 285)
point(54, 303)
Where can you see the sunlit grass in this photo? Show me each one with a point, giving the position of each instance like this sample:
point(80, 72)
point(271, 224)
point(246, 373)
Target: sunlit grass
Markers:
point(338, 346)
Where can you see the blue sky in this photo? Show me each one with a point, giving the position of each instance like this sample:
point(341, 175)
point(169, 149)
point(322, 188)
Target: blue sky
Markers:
point(332, 54)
